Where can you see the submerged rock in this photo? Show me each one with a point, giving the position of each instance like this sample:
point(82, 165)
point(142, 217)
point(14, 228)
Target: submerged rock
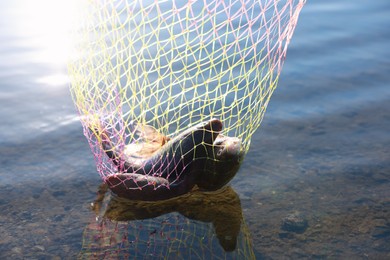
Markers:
point(294, 222)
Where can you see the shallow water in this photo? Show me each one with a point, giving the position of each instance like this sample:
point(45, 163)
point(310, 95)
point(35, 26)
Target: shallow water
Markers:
point(322, 150)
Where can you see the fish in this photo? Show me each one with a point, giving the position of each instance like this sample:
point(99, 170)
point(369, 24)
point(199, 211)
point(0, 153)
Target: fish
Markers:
point(159, 169)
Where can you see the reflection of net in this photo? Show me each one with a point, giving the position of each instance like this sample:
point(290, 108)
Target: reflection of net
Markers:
point(212, 229)
point(167, 237)
point(171, 65)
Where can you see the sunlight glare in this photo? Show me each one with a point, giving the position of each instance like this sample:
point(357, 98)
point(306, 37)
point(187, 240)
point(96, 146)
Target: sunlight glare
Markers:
point(47, 24)
point(45, 33)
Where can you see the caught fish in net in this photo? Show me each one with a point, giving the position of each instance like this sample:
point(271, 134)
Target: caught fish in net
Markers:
point(170, 92)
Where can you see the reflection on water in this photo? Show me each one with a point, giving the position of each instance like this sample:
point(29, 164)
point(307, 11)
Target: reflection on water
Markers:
point(209, 224)
point(322, 150)
point(41, 29)
point(36, 43)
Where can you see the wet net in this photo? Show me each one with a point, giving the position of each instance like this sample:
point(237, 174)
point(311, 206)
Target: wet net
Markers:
point(170, 92)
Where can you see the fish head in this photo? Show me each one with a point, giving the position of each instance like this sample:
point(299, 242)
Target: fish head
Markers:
point(228, 149)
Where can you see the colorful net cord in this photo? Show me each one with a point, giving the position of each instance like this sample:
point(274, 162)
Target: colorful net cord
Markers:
point(170, 92)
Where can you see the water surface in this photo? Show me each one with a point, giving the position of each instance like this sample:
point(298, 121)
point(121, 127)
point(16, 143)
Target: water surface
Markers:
point(322, 151)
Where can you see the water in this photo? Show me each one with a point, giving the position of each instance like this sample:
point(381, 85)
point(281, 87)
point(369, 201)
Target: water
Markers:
point(322, 149)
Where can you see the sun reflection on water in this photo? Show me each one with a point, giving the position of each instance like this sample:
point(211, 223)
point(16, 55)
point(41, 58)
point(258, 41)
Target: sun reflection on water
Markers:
point(43, 28)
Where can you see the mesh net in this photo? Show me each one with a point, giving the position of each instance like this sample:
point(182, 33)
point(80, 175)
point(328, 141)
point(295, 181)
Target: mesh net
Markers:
point(126, 229)
point(170, 92)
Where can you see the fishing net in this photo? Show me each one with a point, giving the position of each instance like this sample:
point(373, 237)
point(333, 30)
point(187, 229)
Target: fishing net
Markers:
point(170, 92)
point(126, 229)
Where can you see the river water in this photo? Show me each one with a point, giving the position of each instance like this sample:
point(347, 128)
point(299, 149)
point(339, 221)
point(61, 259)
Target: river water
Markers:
point(320, 160)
